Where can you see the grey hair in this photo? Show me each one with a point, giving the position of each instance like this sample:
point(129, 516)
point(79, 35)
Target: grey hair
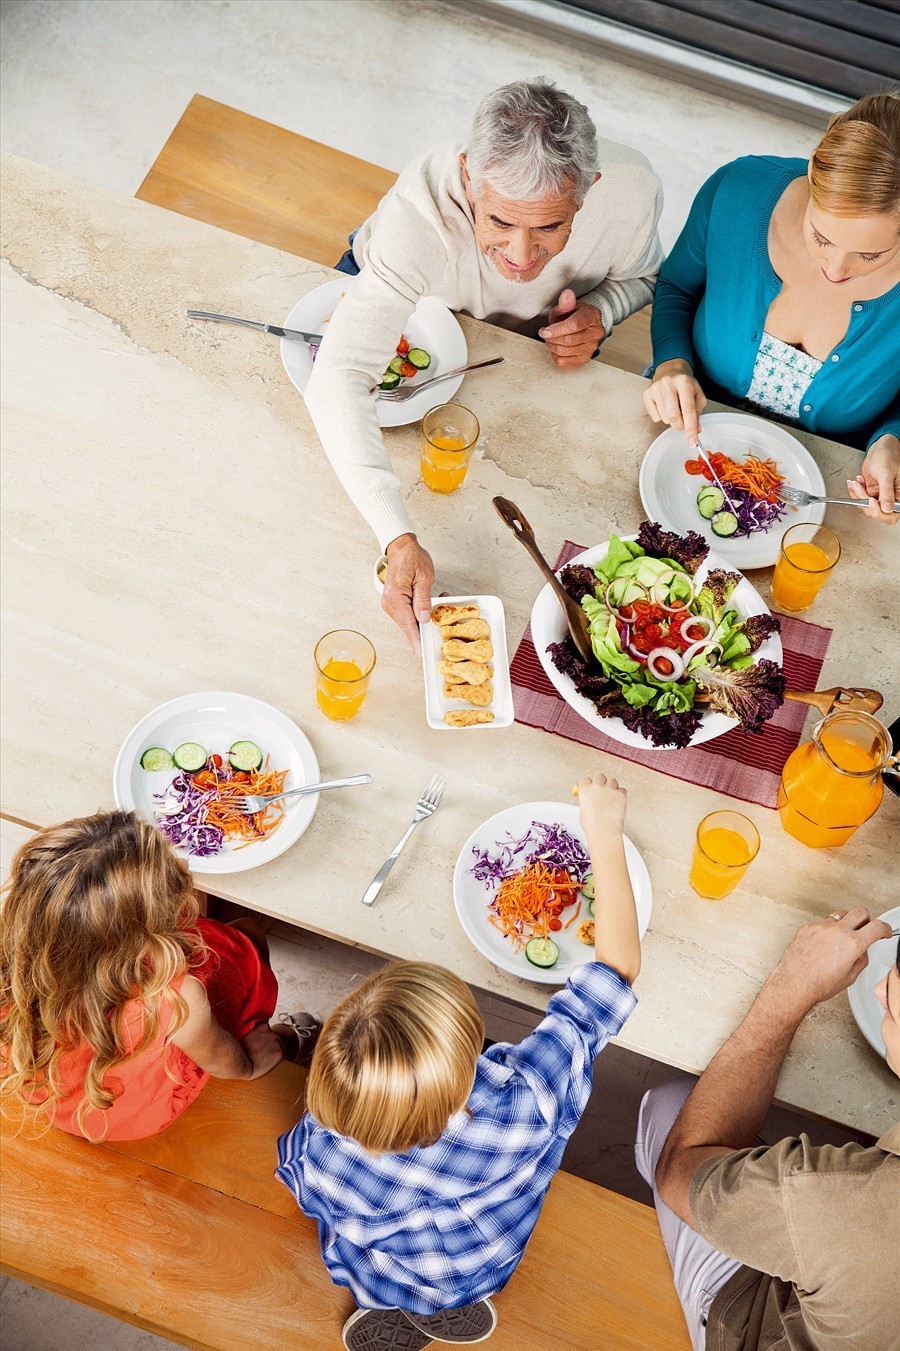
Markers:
point(530, 139)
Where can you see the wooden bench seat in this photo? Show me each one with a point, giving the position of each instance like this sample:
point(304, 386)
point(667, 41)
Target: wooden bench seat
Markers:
point(190, 1236)
point(255, 179)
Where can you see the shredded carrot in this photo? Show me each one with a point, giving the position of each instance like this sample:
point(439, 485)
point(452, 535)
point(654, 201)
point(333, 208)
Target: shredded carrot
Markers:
point(523, 904)
point(574, 916)
point(758, 477)
point(225, 813)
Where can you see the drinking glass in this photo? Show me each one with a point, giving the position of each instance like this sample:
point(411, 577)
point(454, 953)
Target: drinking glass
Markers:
point(726, 845)
point(344, 662)
point(808, 555)
point(449, 435)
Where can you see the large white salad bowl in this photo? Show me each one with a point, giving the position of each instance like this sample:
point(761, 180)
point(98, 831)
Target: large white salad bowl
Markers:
point(548, 626)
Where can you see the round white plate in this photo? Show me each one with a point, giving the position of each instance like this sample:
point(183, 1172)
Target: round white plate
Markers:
point(430, 326)
point(864, 1006)
point(669, 492)
point(548, 625)
point(471, 897)
point(217, 720)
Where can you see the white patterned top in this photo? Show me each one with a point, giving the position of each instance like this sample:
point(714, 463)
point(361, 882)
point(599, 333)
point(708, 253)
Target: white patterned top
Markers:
point(781, 377)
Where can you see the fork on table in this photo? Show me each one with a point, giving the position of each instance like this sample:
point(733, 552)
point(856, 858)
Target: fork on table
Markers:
point(427, 805)
point(410, 391)
point(799, 497)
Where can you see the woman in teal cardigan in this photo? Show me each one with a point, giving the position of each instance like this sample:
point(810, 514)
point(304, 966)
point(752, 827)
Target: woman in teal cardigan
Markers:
point(783, 292)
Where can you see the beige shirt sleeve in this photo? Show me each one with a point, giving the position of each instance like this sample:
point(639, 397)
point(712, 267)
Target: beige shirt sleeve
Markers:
point(359, 342)
point(630, 283)
point(738, 1204)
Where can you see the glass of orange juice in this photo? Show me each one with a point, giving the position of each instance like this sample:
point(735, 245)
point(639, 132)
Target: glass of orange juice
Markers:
point(808, 555)
point(344, 662)
point(449, 435)
point(726, 845)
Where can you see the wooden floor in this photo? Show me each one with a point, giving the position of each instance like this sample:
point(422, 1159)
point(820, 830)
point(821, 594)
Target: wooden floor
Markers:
point(255, 179)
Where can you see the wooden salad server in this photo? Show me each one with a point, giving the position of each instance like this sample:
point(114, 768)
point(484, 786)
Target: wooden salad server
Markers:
point(827, 701)
point(576, 619)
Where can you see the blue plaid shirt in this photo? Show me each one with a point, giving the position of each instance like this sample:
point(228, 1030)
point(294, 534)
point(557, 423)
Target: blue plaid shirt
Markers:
point(441, 1226)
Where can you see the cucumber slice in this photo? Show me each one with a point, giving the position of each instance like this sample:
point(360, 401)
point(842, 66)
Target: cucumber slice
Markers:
point(245, 755)
point(157, 758)
point(724, 523)
point(587, 886)
point(394, 365)
point(542, 952)
point(709, 501)
point(390, 380)
point(190, 756)
point(418, 357)
point(591, 907)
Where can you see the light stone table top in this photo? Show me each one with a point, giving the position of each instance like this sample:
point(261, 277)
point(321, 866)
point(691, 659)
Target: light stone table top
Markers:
point(172, 525)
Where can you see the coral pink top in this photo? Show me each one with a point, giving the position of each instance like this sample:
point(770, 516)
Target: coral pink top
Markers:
point(154, 1087)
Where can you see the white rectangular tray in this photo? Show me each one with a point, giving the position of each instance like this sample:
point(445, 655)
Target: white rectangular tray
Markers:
point(435, 704)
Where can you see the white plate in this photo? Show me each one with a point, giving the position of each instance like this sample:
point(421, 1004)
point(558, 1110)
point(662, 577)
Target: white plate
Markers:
point(435, 703)
point(471, 897)
point(864, 1006)
point(430, 326)
point(548, 625)
point(669, 492)
point(217, 720)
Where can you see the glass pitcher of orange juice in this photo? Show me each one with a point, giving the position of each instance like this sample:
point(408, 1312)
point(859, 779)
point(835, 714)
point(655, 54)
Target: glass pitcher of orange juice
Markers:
point(832, 784)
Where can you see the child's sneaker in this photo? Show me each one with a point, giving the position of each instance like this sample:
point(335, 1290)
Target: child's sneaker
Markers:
point(305, 1029)
point(471, 1323)
point(383, 1330)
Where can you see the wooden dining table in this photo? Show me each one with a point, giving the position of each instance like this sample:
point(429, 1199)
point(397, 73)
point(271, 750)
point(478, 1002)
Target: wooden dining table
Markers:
point(171, 525)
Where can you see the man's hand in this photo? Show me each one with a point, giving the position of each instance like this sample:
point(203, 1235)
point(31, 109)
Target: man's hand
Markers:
point(408, 585)
point(673, 396)
point(574, 330)
point(879, 480)
point(824, 958)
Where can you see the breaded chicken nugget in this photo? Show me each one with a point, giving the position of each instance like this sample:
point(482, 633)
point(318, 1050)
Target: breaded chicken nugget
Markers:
point(585, 931)
point(482, 695)
point(469, 628)
point(472, 672)
point(454, 614)
point(455, 649)
point(468, 717)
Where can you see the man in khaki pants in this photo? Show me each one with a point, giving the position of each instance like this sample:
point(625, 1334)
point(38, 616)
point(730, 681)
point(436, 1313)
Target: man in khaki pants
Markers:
point(794, 1247)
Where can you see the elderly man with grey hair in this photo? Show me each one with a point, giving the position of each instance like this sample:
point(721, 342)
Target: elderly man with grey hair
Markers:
point(535, 226)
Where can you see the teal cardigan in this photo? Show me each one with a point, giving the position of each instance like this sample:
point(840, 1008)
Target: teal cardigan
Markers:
point(714, 292)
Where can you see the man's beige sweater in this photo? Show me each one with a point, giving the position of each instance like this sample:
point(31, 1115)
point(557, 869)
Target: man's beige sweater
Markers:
point(421, 241)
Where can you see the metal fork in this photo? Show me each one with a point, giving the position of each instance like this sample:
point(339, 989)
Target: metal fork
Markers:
point(410, 391)
point(799, 497)
point(257, 802)
point(427, 805)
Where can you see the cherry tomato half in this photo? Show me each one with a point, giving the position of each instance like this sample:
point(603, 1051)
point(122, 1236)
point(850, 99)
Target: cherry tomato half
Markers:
point(216, 760)
point(408, 370)
point(241, 777)
point(402, 347)
point(205, 779)
point(556, 925)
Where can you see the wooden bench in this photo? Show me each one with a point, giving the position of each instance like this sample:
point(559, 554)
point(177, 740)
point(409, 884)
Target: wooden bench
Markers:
point(248, 176)
point(190, 1236)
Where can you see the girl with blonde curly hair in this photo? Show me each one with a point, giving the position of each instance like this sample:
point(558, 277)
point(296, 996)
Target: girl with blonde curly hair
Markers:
point(118, 1001)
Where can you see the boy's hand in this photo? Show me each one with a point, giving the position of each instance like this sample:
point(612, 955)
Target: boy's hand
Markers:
point(601, 805)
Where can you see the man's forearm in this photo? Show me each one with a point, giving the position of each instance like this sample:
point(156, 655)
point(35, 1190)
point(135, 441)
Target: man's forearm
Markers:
point(730, 1102)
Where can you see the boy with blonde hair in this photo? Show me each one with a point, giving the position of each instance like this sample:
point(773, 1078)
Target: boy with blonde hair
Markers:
point(424, 1162)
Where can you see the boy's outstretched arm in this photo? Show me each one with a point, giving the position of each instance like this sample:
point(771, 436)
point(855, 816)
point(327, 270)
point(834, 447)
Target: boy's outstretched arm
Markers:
point(616, 942)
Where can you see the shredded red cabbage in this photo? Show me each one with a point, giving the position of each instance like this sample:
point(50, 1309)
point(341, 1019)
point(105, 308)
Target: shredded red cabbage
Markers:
point(550, 844)
point(187, 826)
point(754, 514)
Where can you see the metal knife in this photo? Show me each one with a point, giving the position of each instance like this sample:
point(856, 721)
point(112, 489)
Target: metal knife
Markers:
point(291, 333)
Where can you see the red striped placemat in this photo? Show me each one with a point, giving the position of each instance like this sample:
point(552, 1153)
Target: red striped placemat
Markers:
point(738, 764)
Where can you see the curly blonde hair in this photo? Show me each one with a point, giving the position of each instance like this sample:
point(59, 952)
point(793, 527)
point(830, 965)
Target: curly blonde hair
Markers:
point(855, 168)
point(97, 912)
point(396, 1058)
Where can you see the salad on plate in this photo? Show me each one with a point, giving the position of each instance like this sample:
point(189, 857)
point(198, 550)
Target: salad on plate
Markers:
point(668, 643)
point(753, 487)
